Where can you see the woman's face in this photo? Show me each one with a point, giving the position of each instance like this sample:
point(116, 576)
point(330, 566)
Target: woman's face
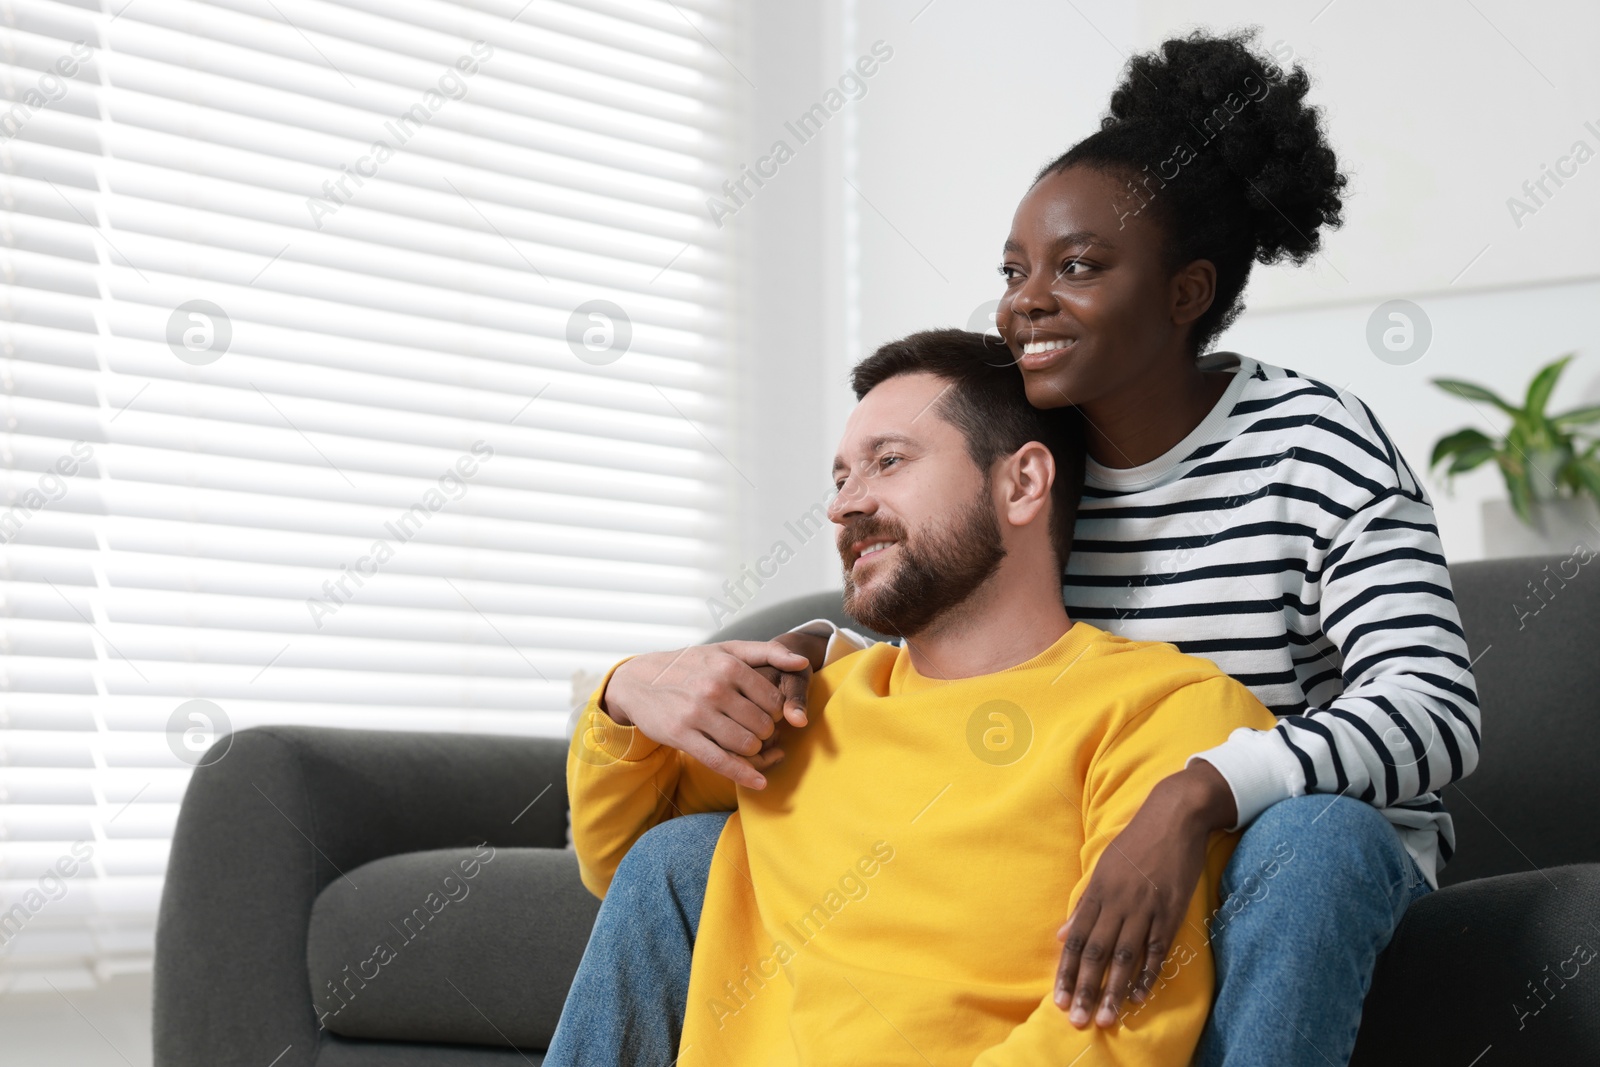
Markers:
point(1089, 305)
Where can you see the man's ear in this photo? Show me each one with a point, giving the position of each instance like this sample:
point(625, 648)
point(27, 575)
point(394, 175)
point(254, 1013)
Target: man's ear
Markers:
point(1025, 484)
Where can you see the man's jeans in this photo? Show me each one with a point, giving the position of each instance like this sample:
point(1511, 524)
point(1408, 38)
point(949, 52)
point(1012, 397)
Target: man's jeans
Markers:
point(1312, 895)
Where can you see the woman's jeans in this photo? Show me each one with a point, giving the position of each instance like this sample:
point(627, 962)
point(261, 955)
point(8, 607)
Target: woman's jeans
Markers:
point(1312, 895)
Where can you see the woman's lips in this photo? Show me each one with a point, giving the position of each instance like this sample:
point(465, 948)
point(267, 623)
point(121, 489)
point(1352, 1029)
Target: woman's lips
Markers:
point(1044, 360)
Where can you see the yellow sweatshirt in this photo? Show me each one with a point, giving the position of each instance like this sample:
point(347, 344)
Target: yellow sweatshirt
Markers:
point(892, 896)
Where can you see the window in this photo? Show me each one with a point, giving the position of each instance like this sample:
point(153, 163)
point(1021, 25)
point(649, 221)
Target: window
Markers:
point(363, 366)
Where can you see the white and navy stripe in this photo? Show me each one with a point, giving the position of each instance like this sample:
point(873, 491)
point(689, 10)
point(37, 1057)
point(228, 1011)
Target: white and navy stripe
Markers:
point(1286, 540)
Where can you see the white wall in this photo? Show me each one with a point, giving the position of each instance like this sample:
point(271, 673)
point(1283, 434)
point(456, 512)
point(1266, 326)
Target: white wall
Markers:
point(1439, 111)
point(887, 226)
point(107, 1025)
point(1494, 337)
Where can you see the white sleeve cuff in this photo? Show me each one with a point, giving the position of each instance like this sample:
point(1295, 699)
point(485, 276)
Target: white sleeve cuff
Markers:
point(1259, 768)
point(841, 642)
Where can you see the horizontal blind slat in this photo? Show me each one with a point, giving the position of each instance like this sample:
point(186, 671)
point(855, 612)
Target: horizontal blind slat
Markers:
point(332, 452)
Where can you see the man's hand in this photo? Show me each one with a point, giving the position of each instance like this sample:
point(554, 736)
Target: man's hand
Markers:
point(1139, 894)
point(711, 702)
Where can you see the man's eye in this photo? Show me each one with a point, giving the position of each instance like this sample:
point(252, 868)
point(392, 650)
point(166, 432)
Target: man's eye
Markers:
point(888, 460)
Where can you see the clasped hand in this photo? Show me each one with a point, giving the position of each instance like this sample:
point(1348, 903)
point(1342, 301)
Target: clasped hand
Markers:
point(722, 703)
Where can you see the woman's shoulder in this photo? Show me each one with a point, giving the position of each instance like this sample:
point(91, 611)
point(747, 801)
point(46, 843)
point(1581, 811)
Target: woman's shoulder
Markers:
point(1268, 386)
point(1280, 410)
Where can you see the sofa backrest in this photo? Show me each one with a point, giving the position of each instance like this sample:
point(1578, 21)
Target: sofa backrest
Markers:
point(1533, 631)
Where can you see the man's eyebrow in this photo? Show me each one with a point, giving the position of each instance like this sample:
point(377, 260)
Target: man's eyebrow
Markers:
point(890, 439)
point(1076, 237)
point(874, 444)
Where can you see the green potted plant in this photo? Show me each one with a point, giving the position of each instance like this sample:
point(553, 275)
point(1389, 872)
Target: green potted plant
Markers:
point(1550, 464)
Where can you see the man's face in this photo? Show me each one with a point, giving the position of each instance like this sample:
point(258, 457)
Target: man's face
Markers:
point(917, 531)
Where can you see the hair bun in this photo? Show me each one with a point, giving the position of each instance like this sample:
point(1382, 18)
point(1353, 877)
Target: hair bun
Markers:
point(1243, 121)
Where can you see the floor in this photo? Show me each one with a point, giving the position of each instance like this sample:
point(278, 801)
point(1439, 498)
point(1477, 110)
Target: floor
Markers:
point(107, 1026)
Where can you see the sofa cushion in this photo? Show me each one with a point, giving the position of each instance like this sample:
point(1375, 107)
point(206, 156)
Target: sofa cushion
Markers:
point(451, 945)
point(354, 1052)
point(1510, 962)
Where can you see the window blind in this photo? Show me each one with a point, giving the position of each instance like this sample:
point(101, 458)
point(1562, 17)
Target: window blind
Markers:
point(363, 366)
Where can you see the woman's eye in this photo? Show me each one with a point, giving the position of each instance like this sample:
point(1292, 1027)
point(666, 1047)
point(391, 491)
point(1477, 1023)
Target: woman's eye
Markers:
point(1074, 266)
point(1010, 274)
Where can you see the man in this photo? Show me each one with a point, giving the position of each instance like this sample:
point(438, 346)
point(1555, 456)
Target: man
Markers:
point(888, 891)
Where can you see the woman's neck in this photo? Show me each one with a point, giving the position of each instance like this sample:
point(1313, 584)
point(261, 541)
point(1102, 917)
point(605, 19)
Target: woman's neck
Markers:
point(1143, 422)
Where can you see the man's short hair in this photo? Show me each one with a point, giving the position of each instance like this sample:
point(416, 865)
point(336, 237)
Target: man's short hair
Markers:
point(989, 405)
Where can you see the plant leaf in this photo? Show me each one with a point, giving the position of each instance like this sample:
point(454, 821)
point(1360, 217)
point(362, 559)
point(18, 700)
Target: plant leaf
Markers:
point(1469, 391)
point(1543, 384)
point(1518, 443)
point(1471, 457)
point(1521, 493)
point(1588, 471)
point(1454, 444)
point(1577, 417)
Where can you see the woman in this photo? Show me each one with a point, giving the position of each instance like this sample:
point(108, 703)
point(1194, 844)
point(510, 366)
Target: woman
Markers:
point(1246, 514)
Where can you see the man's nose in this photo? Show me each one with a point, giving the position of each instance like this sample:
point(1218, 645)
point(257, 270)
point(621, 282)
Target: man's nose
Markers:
point(851, 499)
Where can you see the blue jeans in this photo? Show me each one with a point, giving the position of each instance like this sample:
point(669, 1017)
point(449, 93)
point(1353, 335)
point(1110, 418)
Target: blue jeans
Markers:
point(1312, 895)
point(627, 1001)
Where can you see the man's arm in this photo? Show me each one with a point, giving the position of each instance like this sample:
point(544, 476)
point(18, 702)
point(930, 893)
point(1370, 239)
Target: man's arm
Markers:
point(709, 701)
point(621, 782)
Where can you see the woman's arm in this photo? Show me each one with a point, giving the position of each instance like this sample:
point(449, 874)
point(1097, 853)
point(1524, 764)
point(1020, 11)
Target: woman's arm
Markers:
point(1407, 722)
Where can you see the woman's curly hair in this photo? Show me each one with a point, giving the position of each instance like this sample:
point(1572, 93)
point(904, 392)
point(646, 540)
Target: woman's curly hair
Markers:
point(1232, 162)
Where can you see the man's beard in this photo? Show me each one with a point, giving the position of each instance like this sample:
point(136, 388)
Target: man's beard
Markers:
point(934, 575)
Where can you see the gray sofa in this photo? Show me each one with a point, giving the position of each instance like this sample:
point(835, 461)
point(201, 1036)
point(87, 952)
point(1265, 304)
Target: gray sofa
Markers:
point(305, 849)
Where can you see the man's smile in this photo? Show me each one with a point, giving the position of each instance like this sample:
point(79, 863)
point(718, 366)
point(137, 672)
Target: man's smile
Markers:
point(865, 550)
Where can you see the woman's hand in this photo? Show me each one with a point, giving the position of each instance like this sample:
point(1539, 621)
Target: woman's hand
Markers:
point(793, 684)
point(1139, 894)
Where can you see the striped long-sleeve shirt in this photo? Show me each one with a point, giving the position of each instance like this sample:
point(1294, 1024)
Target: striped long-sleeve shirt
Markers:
point(1286, 540)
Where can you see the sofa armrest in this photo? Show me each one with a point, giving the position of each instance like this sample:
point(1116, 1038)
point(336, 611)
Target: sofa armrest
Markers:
point(1510, 962)
point(285, 812)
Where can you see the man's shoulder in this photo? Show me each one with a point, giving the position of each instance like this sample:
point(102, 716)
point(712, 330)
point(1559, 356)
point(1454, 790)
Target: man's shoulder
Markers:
point(1084, 646)
point(1158, 661)
point(1154, 678)
point(1089, 665)
point(876, 659)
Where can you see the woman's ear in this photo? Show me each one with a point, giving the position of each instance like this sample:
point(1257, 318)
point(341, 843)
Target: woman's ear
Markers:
point(1194, 287)
point(1029, 473)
